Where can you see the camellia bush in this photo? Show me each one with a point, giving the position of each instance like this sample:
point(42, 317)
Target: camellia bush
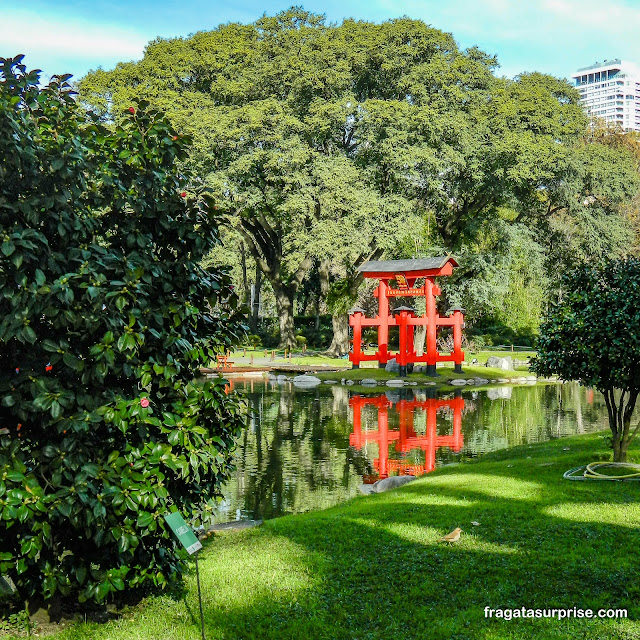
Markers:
point(592, 335)
point(105, 320)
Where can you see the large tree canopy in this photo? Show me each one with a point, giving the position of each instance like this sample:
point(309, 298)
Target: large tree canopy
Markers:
point(332, 142)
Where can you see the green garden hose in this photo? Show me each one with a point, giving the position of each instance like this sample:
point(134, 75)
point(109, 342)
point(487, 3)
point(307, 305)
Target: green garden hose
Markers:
point(590, 473)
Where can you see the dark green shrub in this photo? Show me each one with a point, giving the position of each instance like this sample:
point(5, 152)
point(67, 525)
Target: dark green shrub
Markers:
point(105, 319)
point(319, 338)
point(253, 340)
point(268, 331)
point(592, 334)
point(476, 343)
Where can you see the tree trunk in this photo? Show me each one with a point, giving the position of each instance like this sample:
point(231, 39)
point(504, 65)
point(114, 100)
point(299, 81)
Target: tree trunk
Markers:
point(619, 450)
point(323, 273)
point(284, 306)
point(321, 302)
point(620, 411)
point(245, 282)
point(419, 339)
point(253, 320)
point(340, 342)
point(340, 318)
point(265, 244)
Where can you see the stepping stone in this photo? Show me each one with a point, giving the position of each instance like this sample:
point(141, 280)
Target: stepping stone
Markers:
point(458, 382)
point(386, 484)
point(306, 381)
point(237, 525)
point(395, 383)
point(369, 381)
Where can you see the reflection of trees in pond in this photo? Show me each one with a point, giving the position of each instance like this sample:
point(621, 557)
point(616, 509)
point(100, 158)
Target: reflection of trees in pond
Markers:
point(531, 414)
point(290, 450)
point(295, 452)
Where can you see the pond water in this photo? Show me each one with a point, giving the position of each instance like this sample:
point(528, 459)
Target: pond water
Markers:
point(307, 449)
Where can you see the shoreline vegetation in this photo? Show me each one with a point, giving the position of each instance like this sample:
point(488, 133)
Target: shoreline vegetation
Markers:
point(374, 567)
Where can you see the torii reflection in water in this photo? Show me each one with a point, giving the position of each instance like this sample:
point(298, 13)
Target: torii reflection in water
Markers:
point(405, 437)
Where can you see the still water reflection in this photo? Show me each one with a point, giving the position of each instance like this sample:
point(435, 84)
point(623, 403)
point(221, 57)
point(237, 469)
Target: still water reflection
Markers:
point(307, 449)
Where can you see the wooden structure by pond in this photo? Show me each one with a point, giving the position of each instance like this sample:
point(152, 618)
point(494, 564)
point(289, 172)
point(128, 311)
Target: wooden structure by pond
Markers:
point(405, 438)
point(399, 278)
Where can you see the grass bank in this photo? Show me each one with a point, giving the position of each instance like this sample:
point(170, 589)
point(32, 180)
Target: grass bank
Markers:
point(374, 568)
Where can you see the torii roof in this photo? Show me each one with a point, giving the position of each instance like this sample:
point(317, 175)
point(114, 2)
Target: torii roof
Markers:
point(415, 268)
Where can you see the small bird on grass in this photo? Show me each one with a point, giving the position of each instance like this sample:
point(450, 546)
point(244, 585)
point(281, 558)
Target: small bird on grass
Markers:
point(454, 536)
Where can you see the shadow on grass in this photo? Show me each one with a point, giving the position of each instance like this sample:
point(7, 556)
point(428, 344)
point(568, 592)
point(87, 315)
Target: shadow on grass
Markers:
point(386, 572)
point(374, 568)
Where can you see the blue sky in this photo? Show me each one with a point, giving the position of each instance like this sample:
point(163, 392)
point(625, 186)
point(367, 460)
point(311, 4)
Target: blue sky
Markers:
point(552, 36)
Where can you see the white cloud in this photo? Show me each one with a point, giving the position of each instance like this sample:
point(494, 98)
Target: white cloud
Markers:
point(46, 40)
point(554, 36)
point(612, 15)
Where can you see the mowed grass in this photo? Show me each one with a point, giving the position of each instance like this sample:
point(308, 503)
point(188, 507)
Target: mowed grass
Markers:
point(313, 359)
point(374, 567)
point(483, 356)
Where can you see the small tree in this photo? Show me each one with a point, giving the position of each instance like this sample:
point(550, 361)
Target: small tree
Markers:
point(105, 320)
point(592, 335)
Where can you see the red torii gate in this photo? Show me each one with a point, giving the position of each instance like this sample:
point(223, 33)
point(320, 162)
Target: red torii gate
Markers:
point(405, 438)
point(406, 273)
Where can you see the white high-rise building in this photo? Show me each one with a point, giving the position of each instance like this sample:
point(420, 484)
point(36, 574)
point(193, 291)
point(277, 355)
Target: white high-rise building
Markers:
point(611, 90)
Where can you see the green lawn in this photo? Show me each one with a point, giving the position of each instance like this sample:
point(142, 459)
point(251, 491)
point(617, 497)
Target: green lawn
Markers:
point(240, 358)
point(314, 358)
point(374, 568)
point(370, 369)
point(483, 356)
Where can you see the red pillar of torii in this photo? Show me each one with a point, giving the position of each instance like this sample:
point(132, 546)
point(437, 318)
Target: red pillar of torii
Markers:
point(406, 273)
point(405, 437)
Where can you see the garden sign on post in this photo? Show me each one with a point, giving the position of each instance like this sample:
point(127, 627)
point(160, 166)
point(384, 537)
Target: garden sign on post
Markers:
point(405, 273)
point(188, 540)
